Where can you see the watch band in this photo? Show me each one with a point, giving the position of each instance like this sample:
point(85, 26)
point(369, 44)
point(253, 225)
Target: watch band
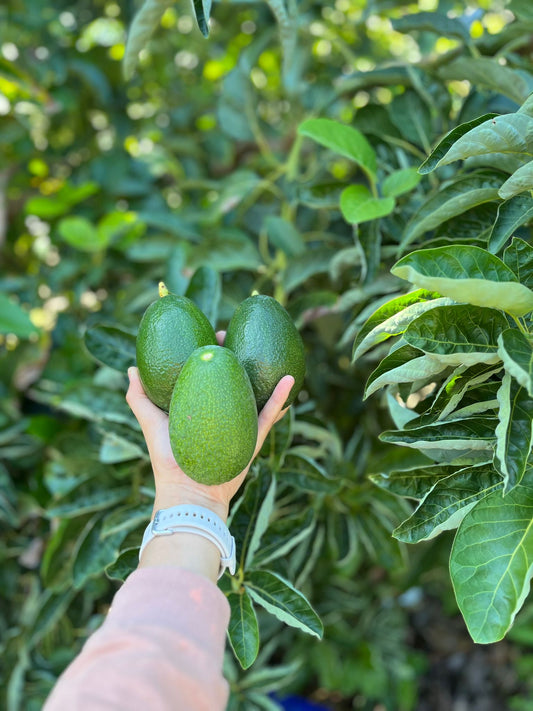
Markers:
point(194, 519)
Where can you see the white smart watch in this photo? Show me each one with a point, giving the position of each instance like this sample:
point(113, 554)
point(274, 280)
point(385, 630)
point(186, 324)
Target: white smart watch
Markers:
point(194, 519)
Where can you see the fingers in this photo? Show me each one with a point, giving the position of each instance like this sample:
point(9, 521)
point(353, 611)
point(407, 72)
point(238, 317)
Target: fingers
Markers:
point(273, 410)
point(148, 415)
point(221, 337)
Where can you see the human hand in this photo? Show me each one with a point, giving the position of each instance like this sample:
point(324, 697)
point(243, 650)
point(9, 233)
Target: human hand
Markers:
point(172, 485)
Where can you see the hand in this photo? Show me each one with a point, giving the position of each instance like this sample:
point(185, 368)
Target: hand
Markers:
point(172, 485)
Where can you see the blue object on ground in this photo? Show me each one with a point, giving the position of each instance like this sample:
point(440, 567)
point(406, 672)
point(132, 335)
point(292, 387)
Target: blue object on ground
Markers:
point(296, 703)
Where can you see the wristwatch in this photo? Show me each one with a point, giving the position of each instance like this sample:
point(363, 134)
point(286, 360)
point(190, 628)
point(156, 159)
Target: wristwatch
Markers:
point(194, 519)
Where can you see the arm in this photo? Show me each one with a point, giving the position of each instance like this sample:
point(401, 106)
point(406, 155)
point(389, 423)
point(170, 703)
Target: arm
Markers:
point(162, 643)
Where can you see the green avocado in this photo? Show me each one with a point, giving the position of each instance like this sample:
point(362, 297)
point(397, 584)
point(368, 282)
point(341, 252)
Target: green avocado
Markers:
point(170, 330)
point(213, 417)
point(268, 346)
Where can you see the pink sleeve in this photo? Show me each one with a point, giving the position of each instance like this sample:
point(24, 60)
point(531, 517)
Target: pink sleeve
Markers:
point(160, 648)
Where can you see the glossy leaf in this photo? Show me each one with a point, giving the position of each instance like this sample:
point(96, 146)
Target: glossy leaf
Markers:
point(443, 146)
point(491, 563)
point(283, 601)
point(143, 26)
point(13, 319)
point(202, 10)
point(243, 630)
point(458, 334)
point(514, 434)
point(520, 181)
point(305, 473)
point(516, 351)
point(454, 199)
point(472, 432)
point(359, 205)
point(512, 214)
point(509, 134)
point(412, 483)
point(403, 366)
point(393, 317)
point(400, 182)
point(111, 346)
point(283, 535)
point(344, 140)
point(447, 503)
point(249, 510)
point(468, 274)
point(519, 257)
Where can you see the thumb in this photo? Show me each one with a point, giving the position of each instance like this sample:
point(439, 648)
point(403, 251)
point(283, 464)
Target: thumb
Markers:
point(148, 415)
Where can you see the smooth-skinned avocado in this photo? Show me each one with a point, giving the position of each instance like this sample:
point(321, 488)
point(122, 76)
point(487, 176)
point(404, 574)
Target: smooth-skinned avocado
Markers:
point(170, 330)
point(267, 344)
point(213, 416)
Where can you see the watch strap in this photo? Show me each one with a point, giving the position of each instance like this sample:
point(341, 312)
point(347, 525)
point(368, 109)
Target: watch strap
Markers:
point(189, 518)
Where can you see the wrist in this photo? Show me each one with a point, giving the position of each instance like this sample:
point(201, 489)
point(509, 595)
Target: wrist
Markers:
point(177, 494)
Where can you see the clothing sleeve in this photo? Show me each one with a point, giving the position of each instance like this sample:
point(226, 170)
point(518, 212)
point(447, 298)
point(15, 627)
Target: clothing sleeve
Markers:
point(160, 648)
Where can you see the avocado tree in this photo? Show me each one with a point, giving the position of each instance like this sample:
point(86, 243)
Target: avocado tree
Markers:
point(368, 165)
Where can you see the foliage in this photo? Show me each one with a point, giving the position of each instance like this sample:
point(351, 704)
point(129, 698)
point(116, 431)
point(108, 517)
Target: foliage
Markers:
point(227, 165)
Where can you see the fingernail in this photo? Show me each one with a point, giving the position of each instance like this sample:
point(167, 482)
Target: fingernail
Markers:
point(130, 372)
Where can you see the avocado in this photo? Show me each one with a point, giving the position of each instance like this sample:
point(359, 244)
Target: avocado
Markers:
point(268, 346)
point(170, 330)
point(213, 417)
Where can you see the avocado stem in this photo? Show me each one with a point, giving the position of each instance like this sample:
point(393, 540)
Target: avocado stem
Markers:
point(163, 291)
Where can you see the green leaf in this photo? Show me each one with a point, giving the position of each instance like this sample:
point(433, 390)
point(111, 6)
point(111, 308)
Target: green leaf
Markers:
point(454, 199)
point(358, 205)
point(491, 563)
point(412, 483)
point(516, 351)
point(243, 630)
point(301, 268)
point(522, 9)
point(520, 181)
point(447, 503)
point(393, 317)
point(511, 215)
point(111, 346)
point(436, 22)
point(81, 234)
point(13, 319)
point(442, 147)
point(205, 289)
point(94, 554)
point(488, 72)
point(400, 182)
point(78, 504)
point(411, 116)
point(344, 140)
point(261, 522)
point(403, 365)
point(514, 434)
point(510, 133)
point(202, 10)
point(249, 510)
point(305, 473)
point(124, 565)
point(472, 432)
point(283, 235)
point(142, 28)
point(283, 601)
point(519, 257)
point(126, 518)
point(467, 274)
point(458, 334)
point(458, 385)
point(283, 535)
